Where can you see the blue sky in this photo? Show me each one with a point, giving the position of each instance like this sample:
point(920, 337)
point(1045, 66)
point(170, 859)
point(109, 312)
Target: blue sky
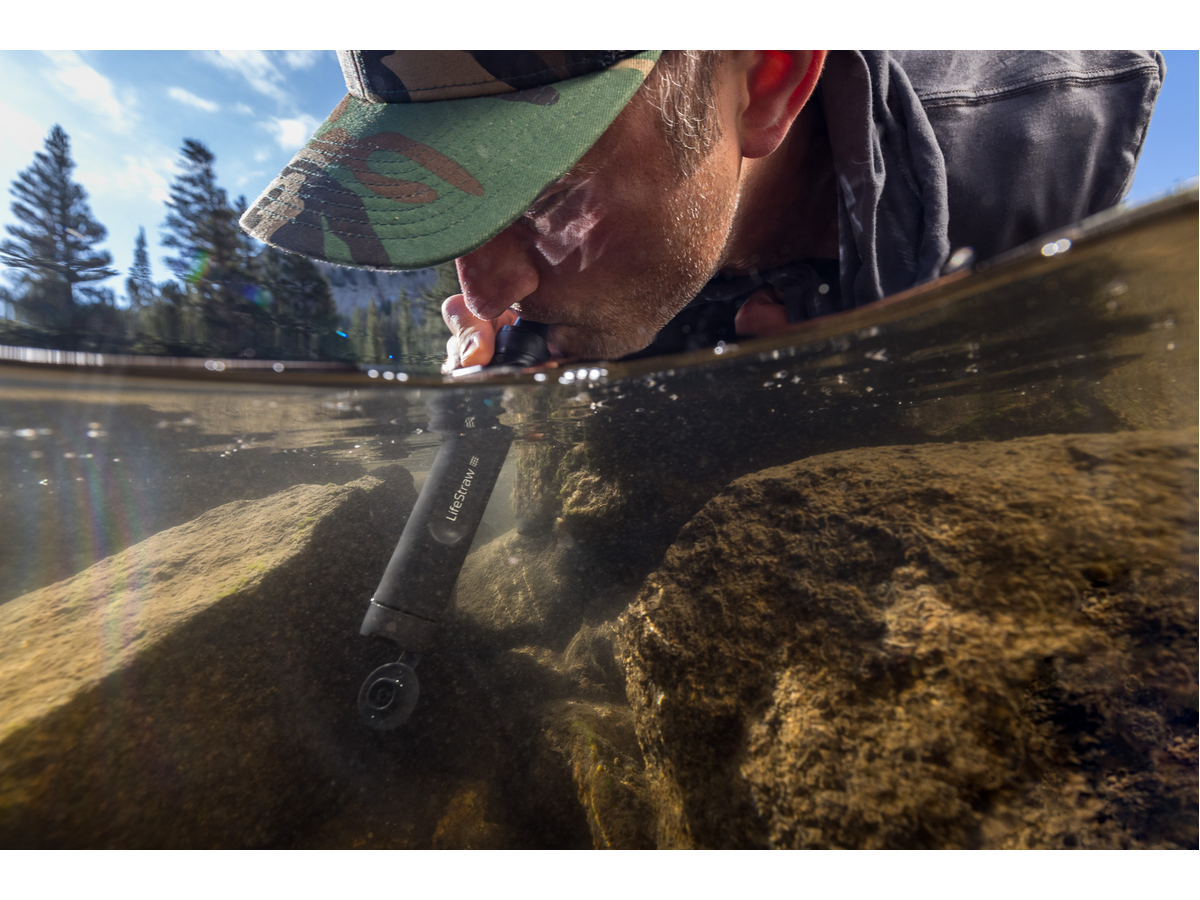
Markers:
point(127, 113)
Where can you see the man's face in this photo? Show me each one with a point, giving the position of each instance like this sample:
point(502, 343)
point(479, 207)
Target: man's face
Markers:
point(610, 252)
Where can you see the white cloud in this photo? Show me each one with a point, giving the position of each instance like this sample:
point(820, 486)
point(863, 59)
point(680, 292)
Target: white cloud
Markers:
point(301, 59)
point(253, 65)
point(189, 99)
point(23, 136)
point(144, 176)
point(261, 155)
point(256, 178)
point(150, 175)
point(242, 108)
point(291, 134)
point(89, 87)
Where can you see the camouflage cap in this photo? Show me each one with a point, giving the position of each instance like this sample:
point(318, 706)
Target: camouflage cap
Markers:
point(434, 152)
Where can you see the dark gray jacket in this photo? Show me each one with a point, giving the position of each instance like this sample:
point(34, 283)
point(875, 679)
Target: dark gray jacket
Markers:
point(983, 149)
point(935, 150)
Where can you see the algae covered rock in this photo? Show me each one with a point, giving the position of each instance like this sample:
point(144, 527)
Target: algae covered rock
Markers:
point(517, 584)
point(598, 742)
point(951, 645)
point(525, 588)
point(197, 689)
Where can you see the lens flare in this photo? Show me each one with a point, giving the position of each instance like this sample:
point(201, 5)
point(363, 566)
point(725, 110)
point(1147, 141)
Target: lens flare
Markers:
point(199, 268)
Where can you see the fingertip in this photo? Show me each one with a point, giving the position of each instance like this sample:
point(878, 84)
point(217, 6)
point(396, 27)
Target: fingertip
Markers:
point(477, 348)
point(452, 305)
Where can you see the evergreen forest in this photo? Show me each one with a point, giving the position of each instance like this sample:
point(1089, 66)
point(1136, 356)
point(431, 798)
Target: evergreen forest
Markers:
point(230, 296)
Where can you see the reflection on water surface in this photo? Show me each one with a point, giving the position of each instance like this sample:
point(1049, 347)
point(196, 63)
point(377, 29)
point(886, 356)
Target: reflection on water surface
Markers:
point(918, 575)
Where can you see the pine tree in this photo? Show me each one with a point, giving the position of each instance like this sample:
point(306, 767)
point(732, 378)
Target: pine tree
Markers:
point(139, 286)
point(358, 332)
point(406, 326)
point(56, 246)
point(212, 251)
point(301, 300)
point(373, 337)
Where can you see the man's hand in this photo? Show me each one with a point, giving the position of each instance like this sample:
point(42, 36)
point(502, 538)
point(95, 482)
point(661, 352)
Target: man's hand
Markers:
point(472, 340)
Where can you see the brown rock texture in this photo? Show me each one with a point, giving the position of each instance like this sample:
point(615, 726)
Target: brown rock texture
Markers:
point(598, 742)
point(980, 645)
point(524, 588)
point(516, 584)
point(196, 689)
point(588, 729)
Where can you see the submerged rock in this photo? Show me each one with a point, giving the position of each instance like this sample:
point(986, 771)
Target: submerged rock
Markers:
point(598, 742)
point(955, 645)
point(524, 588)
point(517, 584)
point(197, 689)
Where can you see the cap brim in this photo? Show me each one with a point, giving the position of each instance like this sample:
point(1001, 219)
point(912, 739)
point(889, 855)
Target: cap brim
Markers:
point(409, 185)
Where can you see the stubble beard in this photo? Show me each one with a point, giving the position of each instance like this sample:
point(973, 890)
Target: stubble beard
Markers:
point(693, 255)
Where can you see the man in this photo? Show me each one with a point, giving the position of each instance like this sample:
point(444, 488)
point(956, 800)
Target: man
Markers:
point(648, 202)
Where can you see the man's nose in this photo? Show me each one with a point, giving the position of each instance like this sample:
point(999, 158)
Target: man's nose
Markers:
point(497, 274)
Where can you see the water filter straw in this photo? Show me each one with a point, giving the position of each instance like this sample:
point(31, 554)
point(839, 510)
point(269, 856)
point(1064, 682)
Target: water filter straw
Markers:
point(419, 580)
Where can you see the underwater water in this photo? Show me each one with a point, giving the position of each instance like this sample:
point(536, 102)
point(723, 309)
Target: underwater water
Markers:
point(918, 575)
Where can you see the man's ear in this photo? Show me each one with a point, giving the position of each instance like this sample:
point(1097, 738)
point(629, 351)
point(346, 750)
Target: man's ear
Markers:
point(778, 84)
